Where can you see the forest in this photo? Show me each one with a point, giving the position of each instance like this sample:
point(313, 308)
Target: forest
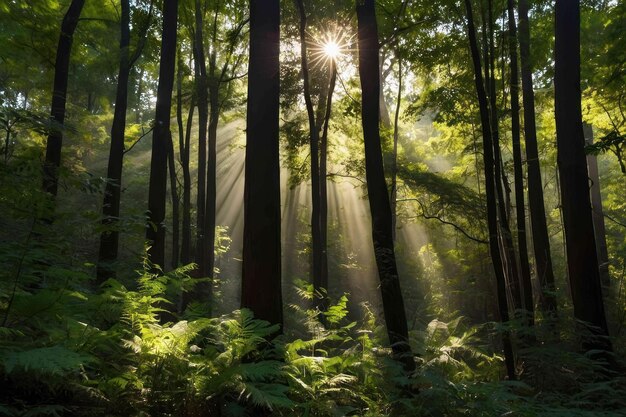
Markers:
point(312, 208)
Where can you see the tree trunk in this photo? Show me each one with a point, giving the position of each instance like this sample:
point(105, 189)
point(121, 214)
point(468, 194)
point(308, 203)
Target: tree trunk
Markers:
point(109, 239)
point(508, 249)
point(394, 160)
point(598, 213)
point(261, 270)
point(520, 207)
point(539, 228)
point(183, 144)
point(393, 304)
point(155, 233)
point(202, 289)
point(582, 258)
point(492, 220)
point(210, 208)
point(324, 185)
point(59, 95)
point(175, 203)
point(314, 141)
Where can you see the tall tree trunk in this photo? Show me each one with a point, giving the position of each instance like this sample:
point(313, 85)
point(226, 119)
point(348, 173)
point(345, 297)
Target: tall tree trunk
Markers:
point(520, 207)
point(582, 258)
point(324, 184)
point(183, 144)
point(314, 141)
point(175, 204)
point(393, 304)
point(155, 232)
point(109, 239)
point(506, 236)
point(598, 213)
point(490, 191)
point(59, 95)
point(211, 181)
point(261, 271)
point(203, 289)
point(539, 227)
point(394, 160)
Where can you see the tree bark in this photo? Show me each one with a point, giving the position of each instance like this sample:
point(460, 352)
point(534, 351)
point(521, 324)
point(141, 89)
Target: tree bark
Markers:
point(520, 207)
point(324, 184)
point(598, 213)
point(59, 95)
point(539, 227)
point(261, 271)
point(393, 304)
point(184, 136)
point(508, 250)
point(582, 258)
point(109, 239)
point(175, 203)
point(490, 191)
point(155, 233)
point(394, 160)
point(202, 290)
point(314, 142)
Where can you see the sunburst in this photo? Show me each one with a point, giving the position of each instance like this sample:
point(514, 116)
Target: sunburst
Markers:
point(329, 47)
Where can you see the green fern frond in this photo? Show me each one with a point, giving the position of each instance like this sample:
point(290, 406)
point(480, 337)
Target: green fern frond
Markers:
point(55, 360)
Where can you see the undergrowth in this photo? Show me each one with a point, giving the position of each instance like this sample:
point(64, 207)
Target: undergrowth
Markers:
point(68, 349)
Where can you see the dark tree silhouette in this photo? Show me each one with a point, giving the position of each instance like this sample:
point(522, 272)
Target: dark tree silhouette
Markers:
point(539, 227)
point(520, 207)
point(261, 273)
point(109, 239)
point(320, 278)
point(490, 191)
point(155, 232)
point(59, 95)
point(582, 257)
point(393, 304)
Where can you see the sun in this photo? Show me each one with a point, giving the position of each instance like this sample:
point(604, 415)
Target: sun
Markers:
point(332, 49)
point(329, 47)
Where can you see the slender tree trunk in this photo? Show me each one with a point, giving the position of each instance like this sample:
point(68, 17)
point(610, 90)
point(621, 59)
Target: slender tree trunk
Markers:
point(59, 95)
point(109, 239)
point(261, 270)
point(175, 204)
point(539, 227)
point(183, 144)
point(324, 184)
point(520, 207)
point(582, 258)
point(314, 141)
point(393, 304)
point(598, 213)
point(492, 220)
point(211, 182)
point(203, 289)
point(394, 161)
point(508, 249)
point(155, 233)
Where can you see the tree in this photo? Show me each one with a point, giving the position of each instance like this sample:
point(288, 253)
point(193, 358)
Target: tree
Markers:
point(539, 227)
point(202, 100)
point(320, 278)
point(520, 208)
point(59, 94)
point(582, 257)
point(155, 232)
point(490, 191)
point(382, 237)
point(109, 238)
point(261, 271)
